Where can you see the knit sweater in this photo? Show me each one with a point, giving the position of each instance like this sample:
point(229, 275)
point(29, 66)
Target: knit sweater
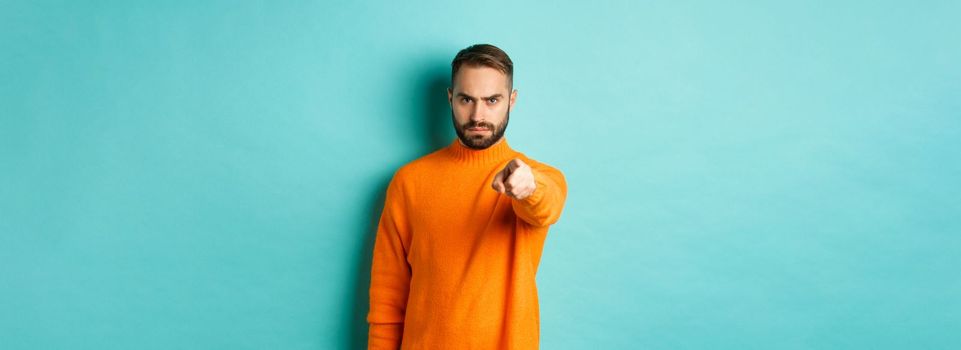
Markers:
point(454, 260)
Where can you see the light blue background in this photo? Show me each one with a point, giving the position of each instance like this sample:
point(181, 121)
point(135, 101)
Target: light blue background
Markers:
point(756, 175)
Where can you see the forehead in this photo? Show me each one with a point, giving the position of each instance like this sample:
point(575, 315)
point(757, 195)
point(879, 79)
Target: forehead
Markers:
point(480, 81)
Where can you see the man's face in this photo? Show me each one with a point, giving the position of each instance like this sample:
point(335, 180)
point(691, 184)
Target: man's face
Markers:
point(480, 101)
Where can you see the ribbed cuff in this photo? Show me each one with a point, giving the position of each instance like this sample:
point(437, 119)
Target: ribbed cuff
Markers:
point(385, 336)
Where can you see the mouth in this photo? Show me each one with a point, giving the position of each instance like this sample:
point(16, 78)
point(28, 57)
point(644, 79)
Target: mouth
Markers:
point(478, 130)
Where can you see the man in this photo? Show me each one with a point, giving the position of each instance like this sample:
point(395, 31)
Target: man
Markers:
point(461, 234)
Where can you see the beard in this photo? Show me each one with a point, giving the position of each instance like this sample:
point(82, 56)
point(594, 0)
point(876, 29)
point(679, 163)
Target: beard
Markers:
point(480, 142)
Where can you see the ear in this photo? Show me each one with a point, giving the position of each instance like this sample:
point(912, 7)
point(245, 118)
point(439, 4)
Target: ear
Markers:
point(450, 96)
point(513, 99)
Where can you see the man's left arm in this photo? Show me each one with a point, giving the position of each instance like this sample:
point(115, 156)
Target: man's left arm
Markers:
point(538, 193)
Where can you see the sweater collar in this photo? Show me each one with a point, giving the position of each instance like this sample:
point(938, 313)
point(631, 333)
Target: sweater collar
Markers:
point(496, 152)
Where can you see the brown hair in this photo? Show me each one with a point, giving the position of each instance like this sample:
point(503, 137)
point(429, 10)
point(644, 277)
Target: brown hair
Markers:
point(486, 55)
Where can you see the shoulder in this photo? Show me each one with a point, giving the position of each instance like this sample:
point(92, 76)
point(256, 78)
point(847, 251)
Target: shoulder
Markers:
point(416, 169)
point(418, 166)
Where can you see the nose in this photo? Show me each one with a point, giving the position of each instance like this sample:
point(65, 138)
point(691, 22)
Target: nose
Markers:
point(477, 113)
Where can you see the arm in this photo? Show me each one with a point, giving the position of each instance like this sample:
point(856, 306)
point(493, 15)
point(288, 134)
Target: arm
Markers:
point(390, 273)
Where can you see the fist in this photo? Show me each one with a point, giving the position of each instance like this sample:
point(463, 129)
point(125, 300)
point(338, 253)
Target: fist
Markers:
point(515, 180)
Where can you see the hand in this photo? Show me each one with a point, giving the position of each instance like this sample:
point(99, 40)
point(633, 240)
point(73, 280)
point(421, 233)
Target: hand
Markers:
point(516, 180)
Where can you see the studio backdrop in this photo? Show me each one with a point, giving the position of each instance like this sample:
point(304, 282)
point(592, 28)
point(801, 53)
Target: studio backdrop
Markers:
point(749, 175)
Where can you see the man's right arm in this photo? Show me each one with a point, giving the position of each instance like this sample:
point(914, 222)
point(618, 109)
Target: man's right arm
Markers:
point(390, 272)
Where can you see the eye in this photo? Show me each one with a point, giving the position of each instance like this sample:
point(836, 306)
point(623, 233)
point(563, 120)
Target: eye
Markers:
point(492, 100)
point(465, 100)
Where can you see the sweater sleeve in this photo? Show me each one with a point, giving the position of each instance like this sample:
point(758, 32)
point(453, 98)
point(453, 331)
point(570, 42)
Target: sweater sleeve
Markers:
point(390, 273)
point(543, 207)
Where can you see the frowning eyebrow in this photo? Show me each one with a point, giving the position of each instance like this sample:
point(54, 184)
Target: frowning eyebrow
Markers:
point(472, 98)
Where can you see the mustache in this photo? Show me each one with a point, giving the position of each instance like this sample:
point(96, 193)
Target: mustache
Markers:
point(478, 125)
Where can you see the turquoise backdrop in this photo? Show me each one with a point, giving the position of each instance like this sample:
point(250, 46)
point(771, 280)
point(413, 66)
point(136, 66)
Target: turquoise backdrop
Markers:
point(742, 175)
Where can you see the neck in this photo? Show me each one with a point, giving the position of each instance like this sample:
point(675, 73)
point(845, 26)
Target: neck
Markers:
point(497, 152)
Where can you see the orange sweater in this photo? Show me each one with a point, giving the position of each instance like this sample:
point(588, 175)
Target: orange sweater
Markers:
point(454, 260)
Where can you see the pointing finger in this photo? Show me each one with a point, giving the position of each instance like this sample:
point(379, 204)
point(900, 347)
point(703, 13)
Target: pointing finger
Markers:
point(498, 183)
